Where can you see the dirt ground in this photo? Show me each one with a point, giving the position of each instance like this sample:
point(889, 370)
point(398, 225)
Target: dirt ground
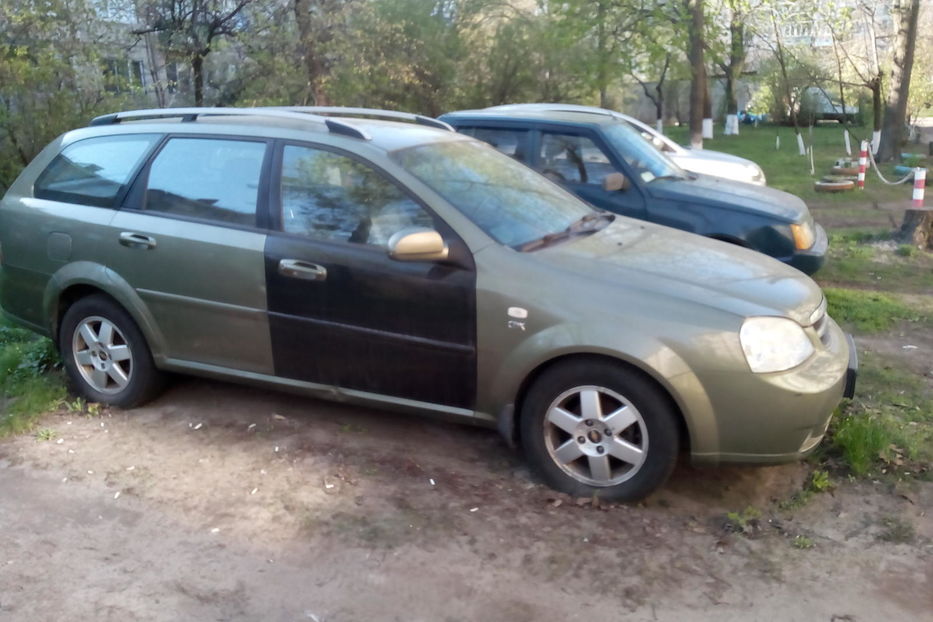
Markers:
point(220, 502)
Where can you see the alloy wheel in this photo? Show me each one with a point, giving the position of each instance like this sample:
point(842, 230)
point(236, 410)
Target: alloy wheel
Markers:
point(102, 355)
point(595, 435)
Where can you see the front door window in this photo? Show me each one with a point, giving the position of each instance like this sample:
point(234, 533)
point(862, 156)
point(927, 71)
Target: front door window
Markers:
point(328, 196)
point(572, 159)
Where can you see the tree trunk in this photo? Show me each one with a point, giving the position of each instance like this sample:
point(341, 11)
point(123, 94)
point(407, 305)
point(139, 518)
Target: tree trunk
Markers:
point(877, 113)
point(917, 229)
point(197, 76)
point(906, 15)
point(314, 65)
point(707, 113)
point(698, 71)
point(601, 70)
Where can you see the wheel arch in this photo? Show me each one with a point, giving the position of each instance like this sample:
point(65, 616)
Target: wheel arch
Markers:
point(82, 279)
point(509, 424)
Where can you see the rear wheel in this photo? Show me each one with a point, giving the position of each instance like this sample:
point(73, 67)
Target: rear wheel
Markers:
point(106, 355)
point(595, 428)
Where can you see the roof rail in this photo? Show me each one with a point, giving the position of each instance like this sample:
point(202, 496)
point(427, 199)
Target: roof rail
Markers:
point(191, 114)
point(559, 108)
point(369, 112)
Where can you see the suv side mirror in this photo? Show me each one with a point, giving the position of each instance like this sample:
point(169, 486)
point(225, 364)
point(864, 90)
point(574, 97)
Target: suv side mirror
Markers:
point(417, 244)
point(615, 181)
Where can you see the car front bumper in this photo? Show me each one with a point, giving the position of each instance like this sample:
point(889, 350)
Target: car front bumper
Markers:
point(781, 417)
point(812, 259)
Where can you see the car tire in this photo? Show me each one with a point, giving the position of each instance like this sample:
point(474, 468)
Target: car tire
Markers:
point(105, 354)
point(592, 427)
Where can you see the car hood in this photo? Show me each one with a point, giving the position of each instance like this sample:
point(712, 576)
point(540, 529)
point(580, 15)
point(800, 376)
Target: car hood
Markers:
point(717, 156)
point(725, 193)
point(677, 264)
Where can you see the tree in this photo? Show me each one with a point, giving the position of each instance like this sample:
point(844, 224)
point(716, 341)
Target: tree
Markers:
point(656, 93)
point(857, 56)
point(608, 30)
point(789, 95)
point(319, 22)
point(188, 29)
point(906, 15)
point(698, 86)
point(50, 76)
point(735, 57)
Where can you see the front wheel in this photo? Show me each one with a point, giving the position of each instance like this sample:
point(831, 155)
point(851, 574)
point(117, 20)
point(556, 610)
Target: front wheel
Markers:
point(105, 354)
point(595, 428)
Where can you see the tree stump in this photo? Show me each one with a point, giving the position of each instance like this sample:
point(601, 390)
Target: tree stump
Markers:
point(917, 229)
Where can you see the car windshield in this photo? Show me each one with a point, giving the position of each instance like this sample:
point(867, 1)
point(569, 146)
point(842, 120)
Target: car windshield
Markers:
point(507, 200)
point(649, 163)
point(656, 140)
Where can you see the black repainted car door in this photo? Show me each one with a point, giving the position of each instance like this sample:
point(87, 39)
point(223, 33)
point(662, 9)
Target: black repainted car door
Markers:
point(341, 311)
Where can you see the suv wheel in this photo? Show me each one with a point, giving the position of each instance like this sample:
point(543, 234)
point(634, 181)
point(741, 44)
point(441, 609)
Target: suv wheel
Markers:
point(593, 428)
point(106, 355)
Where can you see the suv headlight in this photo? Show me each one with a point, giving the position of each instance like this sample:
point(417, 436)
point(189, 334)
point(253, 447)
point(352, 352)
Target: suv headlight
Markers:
point(774, 344)
point(804, 236)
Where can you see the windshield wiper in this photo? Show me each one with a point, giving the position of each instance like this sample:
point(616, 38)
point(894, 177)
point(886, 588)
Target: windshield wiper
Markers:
point(589, 223)
point(681, 177)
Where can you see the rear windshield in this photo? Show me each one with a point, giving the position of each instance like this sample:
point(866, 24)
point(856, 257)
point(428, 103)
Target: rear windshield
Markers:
point(94, 171)
point(507, 200)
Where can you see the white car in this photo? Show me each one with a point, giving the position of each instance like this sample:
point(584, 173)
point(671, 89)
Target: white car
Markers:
point(703, 161)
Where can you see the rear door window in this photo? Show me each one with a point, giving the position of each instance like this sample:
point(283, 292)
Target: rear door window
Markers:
point(94, 171)
point(512, 143)
point(212, 179)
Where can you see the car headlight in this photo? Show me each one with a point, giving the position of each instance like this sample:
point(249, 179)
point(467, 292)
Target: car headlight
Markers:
point(758, 175)
point(804, 235)
point(774, 344)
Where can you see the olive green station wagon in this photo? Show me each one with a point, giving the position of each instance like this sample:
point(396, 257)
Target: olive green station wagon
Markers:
point(380, 258)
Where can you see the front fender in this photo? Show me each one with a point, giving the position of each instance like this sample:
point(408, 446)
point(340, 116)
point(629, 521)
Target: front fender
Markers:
point(654, 358)
point(98, 276)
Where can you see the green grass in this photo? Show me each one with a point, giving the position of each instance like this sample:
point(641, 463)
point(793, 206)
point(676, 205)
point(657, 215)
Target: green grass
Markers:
point(802, 542)
point(865, 258)
point(868, 311)
point(30, 382)
point(889, 424)
point(787, 170)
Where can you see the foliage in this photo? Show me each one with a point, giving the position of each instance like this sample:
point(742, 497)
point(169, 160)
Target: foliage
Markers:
point(30, 383)
point(188, 29)
point(864, 440)
point(747, 522)
point(50, 75)
point(889, 424)
point(802, 542)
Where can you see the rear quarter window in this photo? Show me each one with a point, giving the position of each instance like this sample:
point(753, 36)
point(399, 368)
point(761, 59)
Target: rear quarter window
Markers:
point(94, 171)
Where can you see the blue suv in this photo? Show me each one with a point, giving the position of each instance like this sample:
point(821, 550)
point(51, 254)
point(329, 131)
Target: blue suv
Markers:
point(607, 163)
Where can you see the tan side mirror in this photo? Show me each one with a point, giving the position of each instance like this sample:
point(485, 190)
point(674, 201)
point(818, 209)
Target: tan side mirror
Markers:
point(615, 181)
point(417, 244)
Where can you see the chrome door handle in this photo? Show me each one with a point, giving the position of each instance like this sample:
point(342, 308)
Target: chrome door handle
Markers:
point(298, 269)
point(137, 240)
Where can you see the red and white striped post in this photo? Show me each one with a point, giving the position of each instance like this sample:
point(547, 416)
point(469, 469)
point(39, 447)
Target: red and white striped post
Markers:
point(862, 161)
point(920, 182)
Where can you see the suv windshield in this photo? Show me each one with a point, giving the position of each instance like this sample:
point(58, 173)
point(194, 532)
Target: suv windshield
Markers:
point(507, 200)
point(649, 163)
